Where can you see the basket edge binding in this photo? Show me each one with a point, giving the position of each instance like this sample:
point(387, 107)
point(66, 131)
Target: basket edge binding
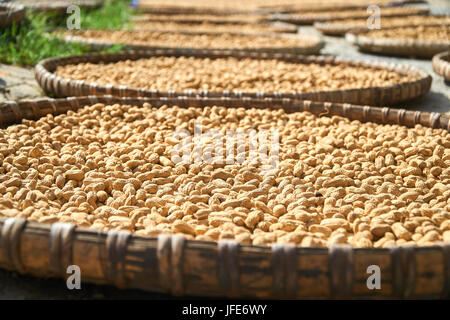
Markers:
point(441, 64)
point(171, 264)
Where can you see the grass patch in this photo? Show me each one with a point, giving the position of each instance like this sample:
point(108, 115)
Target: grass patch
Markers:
point(113, 15)
point(28, 43)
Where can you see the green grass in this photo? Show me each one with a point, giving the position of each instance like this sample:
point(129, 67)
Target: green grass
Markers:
point(28, 43)
point(113, 15)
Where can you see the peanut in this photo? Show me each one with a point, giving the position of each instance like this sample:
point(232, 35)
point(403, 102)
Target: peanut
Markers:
point(336, 183)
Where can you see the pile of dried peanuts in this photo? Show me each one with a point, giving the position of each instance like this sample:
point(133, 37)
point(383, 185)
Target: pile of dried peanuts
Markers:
point(394, 21)
point(210, 27)
point(231, 18)
point(197, 41)
point(248, 75)
point(429, 33)
point(339, 181)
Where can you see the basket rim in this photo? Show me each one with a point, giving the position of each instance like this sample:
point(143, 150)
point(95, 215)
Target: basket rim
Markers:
point(441, 64)
point(44, 72)
point(61, 235)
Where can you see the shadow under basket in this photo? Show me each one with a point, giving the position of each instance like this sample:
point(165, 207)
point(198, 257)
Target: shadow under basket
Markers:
point(172, 264)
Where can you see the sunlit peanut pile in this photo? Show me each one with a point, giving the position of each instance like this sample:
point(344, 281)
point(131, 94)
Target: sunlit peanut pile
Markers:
point(231, 18)
point(429, 33)
point(209, 27)
point(356, 13)
point(338, 181)
point(203, 41)
point(394, 21)
point(249, 75)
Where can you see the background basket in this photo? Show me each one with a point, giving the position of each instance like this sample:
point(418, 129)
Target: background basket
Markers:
point(397, 47)
point(441, 64)
point(10, 13)
point(371, 96)
point(59, 6)
point(311, 49)
point(278, 27)
point(174, 265)
point(308, 18)
point(334, 29)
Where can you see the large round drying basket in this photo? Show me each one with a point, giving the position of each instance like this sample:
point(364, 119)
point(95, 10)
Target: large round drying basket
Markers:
point(172, 264)
point(381, 96)
point(312, 48)
point(11, 13)
point(397, 46)
point(441, 64)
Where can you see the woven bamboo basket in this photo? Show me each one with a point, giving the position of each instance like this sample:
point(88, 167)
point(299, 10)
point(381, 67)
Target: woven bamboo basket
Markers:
point(314, 48)
point(10, 13)
point(171, 264)
point(397, 47)
point(59, 6)
point(335, 29)
point(441, 64)
point(371, 96)
point(306, 18)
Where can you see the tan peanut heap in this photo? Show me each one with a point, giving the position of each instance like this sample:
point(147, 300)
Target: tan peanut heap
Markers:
point(338, 181)
point(209, 18)
point(196, 41)
point(428, 33)
point(249, 28)
point(247, 75)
